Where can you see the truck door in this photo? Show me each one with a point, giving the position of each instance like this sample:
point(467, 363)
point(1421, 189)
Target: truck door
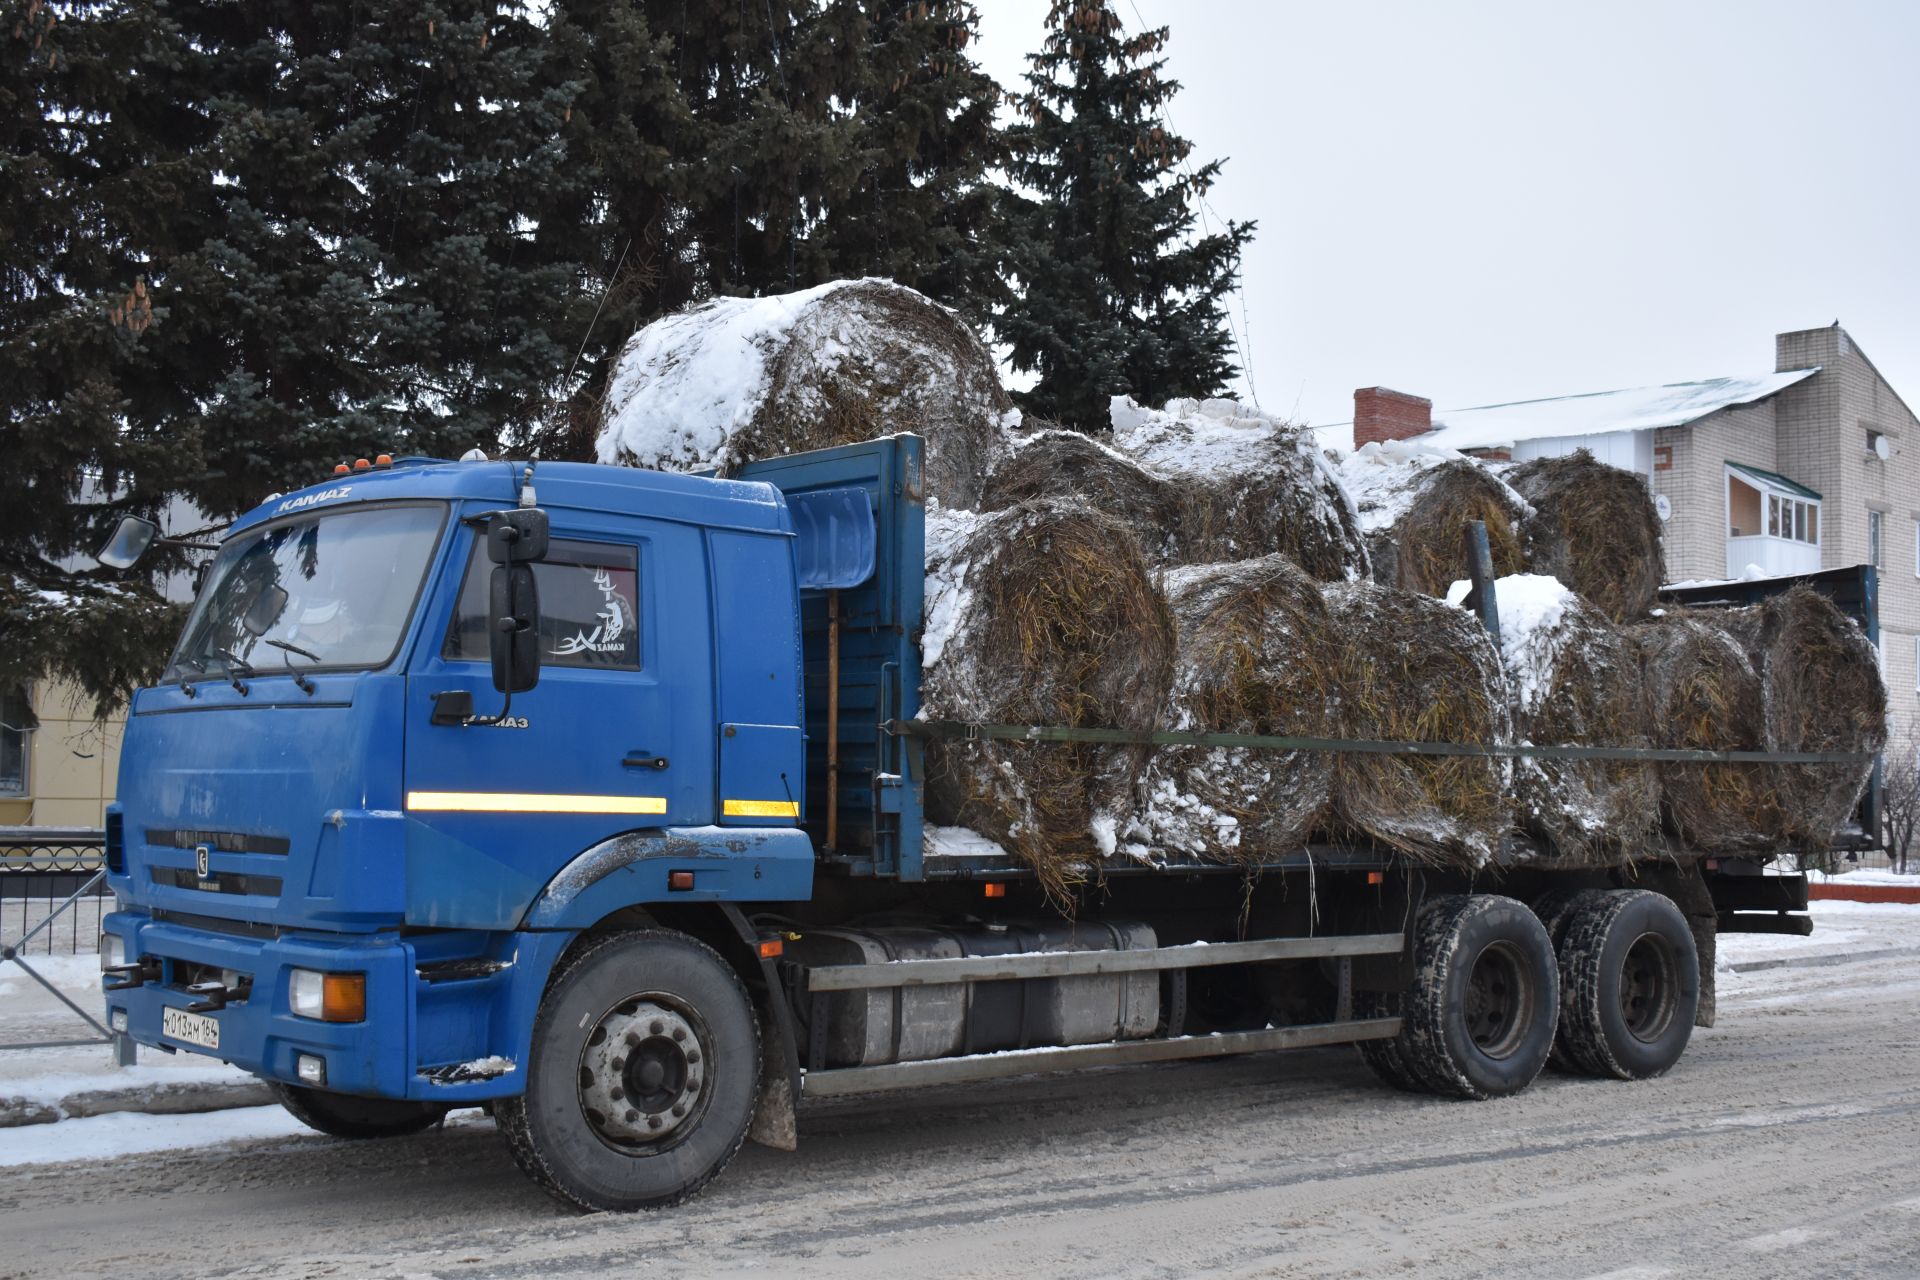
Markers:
point(618, 735)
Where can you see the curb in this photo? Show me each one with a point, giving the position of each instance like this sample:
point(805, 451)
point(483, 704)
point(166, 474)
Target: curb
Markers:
point(154, 1099)
point(1866, 892)
point(1823, 960)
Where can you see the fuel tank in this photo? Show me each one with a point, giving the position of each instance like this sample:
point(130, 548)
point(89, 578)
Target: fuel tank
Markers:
point(912, 1024)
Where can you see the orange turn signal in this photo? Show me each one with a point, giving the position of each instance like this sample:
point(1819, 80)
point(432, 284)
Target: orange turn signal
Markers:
point(996, 890)
point(680, 880)
point(1376, 877)
point(771, 947)
point(343, 997)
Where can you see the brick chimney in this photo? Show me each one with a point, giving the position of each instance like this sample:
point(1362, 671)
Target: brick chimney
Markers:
point(1381, 414)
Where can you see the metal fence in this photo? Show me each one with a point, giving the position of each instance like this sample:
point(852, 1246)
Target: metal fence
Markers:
point(52, 892)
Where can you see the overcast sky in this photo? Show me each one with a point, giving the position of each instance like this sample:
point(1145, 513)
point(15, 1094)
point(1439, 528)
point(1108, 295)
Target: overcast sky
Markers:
point(1483, 202)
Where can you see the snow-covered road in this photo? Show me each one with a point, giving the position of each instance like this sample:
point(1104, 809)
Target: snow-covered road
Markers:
point(1784, 1144)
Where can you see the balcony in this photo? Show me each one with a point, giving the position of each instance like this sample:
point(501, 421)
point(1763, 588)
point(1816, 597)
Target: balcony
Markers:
point(1776, 557)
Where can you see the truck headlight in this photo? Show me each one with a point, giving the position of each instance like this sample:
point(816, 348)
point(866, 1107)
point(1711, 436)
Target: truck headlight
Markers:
point(327, 997)
point(113, 951)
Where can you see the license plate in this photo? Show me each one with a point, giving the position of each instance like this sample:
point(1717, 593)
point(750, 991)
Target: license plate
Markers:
point(190, 1028)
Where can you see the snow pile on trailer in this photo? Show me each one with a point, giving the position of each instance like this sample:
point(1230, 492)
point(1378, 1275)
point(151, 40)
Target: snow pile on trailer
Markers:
point(1250, 485)
point(1574, 679)
point(1413, 669)
point(1041, 614)
point(738, 379)
point(1257, 656)
point(1593, 527)
point(1055, 463)
point(1414, 501)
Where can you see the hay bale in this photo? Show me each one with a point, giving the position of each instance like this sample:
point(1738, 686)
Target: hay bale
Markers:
point(1414, 669)
point(1414, 501)
point(1704, 694)
point(737, 379)
point(1056, 463)
point(1257, 654)
point(1574, 679)
point(1249, 485)
point(1044, 613)
point(1593, 527)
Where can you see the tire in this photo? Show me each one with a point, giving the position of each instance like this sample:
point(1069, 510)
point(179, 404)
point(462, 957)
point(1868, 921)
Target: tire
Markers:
point(688, 1086)
point(1555, 908)
point(1386, 1057)
point(343, 1115)
point(1629, 985)
point(1480, 1015)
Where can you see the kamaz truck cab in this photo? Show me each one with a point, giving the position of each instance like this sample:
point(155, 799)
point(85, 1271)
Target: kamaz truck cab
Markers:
point(433, 770)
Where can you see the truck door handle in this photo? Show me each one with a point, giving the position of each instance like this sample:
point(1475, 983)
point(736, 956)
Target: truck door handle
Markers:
point(641, 760)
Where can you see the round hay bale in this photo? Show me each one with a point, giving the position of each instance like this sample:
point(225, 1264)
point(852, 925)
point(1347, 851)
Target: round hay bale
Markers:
point(1704, 694)
point(1822, 691)
point(1414, 502)
point(1248, 484)
point(1593, 527)
point(1044, 613)
point(1414, 669)
point(1056, 463)
point(1257, 655)
point(738, 379)
point(1575, 680)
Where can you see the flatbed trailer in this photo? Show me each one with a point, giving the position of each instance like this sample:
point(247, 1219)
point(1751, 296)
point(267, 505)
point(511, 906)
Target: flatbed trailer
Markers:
point(602, 807)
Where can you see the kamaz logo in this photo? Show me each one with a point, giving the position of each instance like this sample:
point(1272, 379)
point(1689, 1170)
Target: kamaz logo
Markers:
point(201, 862)
point(325, 495)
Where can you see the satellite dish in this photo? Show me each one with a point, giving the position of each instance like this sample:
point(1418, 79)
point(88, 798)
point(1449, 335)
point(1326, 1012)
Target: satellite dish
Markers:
point(1662, 506)
point(1881, 449)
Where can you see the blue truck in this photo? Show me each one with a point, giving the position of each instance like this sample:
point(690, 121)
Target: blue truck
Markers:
point(593, 796)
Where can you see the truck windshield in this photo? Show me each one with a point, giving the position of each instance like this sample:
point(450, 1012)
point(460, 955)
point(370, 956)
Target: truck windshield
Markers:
point(350, 577)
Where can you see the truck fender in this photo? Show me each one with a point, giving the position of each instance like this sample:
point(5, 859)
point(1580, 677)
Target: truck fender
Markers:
point(728, 864)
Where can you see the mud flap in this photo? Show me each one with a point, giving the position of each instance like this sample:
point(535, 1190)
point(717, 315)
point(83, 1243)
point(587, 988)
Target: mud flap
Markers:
point(774, 1122)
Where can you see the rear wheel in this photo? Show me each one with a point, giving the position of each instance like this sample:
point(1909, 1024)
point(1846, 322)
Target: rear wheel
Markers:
point(1479, 1017)
point(345, 1116)
point(1629, 985)
point(640, 1085)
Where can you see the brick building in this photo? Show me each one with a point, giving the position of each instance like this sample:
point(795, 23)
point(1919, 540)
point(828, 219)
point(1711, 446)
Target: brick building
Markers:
point(1815, 465)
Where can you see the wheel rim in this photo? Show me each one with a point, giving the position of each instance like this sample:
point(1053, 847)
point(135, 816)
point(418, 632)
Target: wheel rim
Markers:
point(1499, 1004)
point(1649, 989)
point(643, 1074)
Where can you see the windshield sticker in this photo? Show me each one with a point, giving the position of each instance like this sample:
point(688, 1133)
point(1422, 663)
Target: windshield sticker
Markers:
point(325, 495)
point(616, 623)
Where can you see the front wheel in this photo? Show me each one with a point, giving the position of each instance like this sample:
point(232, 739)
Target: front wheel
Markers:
point(343, 1115)
point(641, 1081)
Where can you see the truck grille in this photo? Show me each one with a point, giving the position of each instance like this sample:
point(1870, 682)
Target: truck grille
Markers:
point(219, 841)
point(221, 882)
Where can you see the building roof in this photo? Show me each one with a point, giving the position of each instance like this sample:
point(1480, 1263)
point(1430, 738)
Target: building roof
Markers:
point(1497, 426)
point(1777, 481)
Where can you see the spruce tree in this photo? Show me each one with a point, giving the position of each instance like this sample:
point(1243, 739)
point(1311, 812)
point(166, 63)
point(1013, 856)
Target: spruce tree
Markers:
point(1116, 292)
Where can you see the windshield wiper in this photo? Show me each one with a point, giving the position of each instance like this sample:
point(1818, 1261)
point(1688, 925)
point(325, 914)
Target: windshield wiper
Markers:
point(197, 665)
point(305, 685)
point(236, 667)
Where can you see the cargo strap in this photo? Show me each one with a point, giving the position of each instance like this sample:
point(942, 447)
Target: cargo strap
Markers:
point(973, 732)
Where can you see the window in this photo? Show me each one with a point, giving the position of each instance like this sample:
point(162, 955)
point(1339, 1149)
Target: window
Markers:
point(1876, 539)
point(1916, 664)
point(16, 722)
point(589, 593)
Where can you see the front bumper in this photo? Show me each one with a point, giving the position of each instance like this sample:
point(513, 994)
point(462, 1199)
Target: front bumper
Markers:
point(433, 1002)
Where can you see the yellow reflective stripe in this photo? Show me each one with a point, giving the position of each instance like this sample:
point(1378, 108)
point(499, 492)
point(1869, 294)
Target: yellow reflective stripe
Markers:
point(760, 809)
point(511, 802)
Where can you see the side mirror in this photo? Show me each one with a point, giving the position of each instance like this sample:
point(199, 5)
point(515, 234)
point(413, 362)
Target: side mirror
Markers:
point(517, 537)
point(268, 604)
point(127, 543)
point(513, 640)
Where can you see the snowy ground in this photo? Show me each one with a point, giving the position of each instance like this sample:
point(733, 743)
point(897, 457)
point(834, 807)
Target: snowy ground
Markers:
point(1782, 1145)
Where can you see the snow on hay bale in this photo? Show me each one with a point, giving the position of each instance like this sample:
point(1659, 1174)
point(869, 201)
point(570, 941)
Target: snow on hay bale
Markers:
point(1414, 669)
point(1257, 655)
point(737, 379)
point(1044, 613)
point(1574, 679)
point(1414, 501)
point(1248, 484)
point(1593, 527)
point(1056, 463)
